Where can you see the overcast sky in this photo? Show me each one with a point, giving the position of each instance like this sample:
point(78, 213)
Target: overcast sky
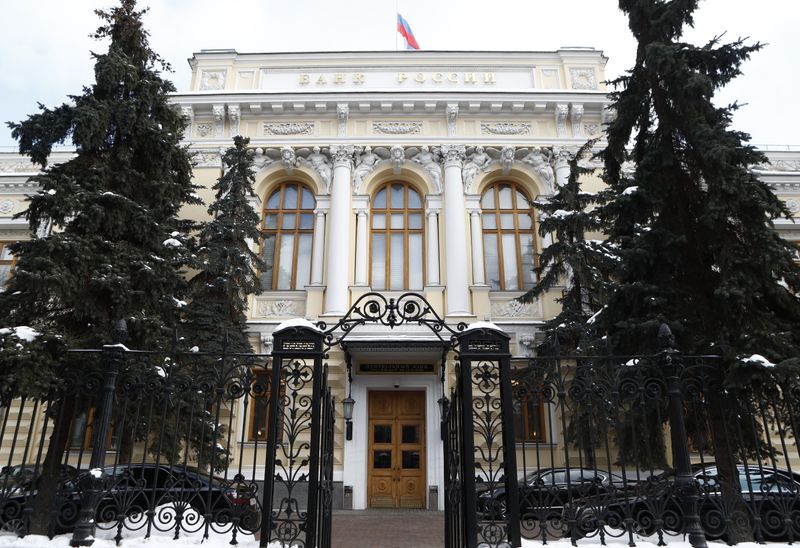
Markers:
point(45, 44)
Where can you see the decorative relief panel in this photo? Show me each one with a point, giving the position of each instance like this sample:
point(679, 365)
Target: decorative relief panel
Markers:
point(780, 165)
point(505, 128)
point(512, 309)
point(6, 206)
point(206, 159)
point(204, 130)
point(288, 128)
point(17, 167)
point(212, 80)
point(397, 128)
point(280, 307)
point(583, 78)
point(793, 205)
point(592, 129)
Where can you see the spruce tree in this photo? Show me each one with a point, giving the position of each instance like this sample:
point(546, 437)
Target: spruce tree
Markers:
point(581, 264)
point(116, 244)
point(216, 315)
point(697, 244)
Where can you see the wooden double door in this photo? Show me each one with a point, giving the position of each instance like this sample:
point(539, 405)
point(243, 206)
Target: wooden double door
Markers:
point(396, 476)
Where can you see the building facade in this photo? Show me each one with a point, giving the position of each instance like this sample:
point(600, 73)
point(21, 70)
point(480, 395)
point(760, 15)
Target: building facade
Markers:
point(393, 172)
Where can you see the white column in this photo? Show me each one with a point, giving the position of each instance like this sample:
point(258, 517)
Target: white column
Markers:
point(319, 247)
point(339, 231)
point(478, 276)
point(361, 246)
point(455, 232)
point(433, 247)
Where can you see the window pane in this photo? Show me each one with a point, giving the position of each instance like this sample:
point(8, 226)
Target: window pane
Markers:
point(5, 272)
point(415, 261)
point(268, 256)
point(492, 263)
point(306, 221)
point(415, 220)
point(290, 197)
point(487, 202)
point(308, 199)
point(288, 221)
point(397, 220)
point(397, 201)
point(380, 199)
point(260, 406)
point(397, 263)
point(379, 221)
point(505, 197)
point(410, 433)
point(522, 201)
point(414, 201)
point(271, 220)
point(535, 423)
point(525, 221)
point(285, 262)
point(5, 252)
point(510, 262)
point(378, 261)
point(411, 460)
point(507, 221)
point(274, 201)
point(303, 261)
point(382, 433)
point(489, 221)
point(382, 459)
point(526, 252)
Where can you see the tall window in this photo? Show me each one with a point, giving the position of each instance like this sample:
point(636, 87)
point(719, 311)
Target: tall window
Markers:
point(6, 263)
point(397, 238)
point(286, 237)
point(508, 237)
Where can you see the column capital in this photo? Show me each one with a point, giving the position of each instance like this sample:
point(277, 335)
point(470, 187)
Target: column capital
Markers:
point(342, 155)
point(474, 211)
point(431, 212)
point(361, 212)
point(453, 155)
point(320, 211)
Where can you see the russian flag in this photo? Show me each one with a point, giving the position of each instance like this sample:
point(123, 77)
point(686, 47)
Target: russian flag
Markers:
point(405, 31)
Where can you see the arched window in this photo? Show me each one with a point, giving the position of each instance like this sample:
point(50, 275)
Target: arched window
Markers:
point(286, 237)
point(508, 237)
point(397, 238)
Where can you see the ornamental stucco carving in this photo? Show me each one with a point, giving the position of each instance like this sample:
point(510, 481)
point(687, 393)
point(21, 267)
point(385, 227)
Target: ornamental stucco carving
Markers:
point(505, 128)
point(561, 120)
point(365, 164)
point(583, 78)
point(592, 129)
point(397, 128)
point(188, 112)
point(792, 205)
point(204, 130)
point(576, 115)
point(342, 155)
point(779, 165)
point(264, 157)
point(342, 112)
point(6, 206)
point(17, 167)
point(212, 80)
point(289, 159)
point(429, 161)
point(477, 162)
point(507, 159)
point(219, 119)
point(319, 163)
point(397, 155)
point(234, 117)
point(539, 160)
point(289, 128)
point(452, 115)
point(511, 309)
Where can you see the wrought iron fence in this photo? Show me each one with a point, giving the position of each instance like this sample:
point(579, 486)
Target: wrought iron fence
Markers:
point(144, 443)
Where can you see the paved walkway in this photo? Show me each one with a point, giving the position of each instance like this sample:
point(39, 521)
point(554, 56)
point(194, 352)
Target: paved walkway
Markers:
point(388, 529)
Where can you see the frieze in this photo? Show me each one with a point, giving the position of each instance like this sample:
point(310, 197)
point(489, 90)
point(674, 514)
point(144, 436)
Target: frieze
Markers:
point(397, 128)
point(779, 165)
point(289, 128)
point(505, 128)
point(206, 159)
point(18, 167)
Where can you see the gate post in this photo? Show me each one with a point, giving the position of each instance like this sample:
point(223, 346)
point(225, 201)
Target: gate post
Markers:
point(686, 487)
point(487, 414)
point(92, 483)
point(294, 429)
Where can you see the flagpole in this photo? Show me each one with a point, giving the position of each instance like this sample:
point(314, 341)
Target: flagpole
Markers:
point(396, 12)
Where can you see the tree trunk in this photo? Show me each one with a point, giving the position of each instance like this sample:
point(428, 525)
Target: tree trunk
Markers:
point(43, 505)
point(725, 447)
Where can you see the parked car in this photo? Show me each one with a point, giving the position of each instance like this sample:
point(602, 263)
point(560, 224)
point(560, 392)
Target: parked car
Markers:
point(544, 493)
point(772, 495)
point(131, 490)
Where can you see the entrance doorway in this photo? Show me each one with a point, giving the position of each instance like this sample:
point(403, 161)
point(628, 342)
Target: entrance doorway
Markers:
point(396, 477)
